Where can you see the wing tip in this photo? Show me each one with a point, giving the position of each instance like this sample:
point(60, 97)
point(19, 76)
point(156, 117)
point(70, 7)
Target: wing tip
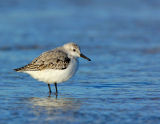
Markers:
point(18, 69)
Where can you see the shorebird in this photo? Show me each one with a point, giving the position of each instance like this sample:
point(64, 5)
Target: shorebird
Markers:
point(55, 66)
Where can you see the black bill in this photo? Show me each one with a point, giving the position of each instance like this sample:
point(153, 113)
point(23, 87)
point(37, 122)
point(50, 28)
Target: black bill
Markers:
point(83, 56)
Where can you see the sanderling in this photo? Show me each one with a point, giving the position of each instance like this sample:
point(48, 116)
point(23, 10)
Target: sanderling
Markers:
point(55, 66)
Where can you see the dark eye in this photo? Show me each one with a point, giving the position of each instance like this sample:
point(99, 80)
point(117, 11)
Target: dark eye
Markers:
point(74, 50)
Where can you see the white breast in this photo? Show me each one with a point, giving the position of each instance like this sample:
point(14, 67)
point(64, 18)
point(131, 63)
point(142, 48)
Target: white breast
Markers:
point(51, 76)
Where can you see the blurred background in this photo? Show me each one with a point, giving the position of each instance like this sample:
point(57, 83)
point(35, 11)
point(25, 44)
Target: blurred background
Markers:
point(120, 85)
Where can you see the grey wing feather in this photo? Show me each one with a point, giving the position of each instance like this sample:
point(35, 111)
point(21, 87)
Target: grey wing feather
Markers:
point(54, 59)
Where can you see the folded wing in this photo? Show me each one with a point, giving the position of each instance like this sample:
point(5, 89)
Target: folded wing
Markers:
point(54, 59)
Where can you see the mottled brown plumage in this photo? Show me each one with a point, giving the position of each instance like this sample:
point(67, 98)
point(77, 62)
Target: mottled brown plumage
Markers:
point(54, 59)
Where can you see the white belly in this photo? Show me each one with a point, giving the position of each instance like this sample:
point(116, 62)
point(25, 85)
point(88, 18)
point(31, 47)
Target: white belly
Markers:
point(51, 76)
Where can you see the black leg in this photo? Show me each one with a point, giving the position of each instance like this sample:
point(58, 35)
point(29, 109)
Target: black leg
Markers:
point(56, 88)
point(49, 89)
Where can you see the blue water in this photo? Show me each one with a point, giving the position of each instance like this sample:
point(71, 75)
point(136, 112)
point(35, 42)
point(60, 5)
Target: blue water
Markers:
point(121, 85)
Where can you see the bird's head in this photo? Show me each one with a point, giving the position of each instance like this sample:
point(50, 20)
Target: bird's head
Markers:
point(74, 50)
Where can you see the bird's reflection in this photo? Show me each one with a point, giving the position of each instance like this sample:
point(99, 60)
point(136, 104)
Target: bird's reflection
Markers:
point(50, 103)
point(52, 109)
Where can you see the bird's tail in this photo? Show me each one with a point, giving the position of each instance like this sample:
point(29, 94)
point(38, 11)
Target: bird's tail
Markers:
point(21, 69)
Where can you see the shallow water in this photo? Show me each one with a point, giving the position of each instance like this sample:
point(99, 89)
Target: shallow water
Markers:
point(120, 85)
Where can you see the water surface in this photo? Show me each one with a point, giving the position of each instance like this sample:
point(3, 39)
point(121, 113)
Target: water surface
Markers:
point(120, 85)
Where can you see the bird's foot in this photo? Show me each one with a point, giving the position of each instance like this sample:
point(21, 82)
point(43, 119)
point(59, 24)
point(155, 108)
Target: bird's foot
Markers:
point(56, 94)
point(50, 94)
